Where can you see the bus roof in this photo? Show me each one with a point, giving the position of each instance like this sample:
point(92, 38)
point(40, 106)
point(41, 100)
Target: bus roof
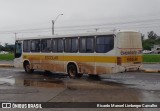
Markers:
point(76, 35)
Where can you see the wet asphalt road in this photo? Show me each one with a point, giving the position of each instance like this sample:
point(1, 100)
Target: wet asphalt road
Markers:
point(152, 66)
point(17, 86)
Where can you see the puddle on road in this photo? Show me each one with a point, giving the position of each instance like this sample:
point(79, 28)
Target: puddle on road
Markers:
point(43, 83)
point(40, 82)
point(51, 82)
point(59, 81)
point(7, 80)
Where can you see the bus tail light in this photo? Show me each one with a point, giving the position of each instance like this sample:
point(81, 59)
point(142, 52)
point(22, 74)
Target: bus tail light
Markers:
point(119, 60)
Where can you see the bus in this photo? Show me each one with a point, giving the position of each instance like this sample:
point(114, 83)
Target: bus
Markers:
point(77, 54)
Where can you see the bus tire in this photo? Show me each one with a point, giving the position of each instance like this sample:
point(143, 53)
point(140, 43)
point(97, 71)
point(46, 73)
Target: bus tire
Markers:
point(79, 75)
point(27, 68)
point(95, 77)
point(47, 71)
point(72, 71)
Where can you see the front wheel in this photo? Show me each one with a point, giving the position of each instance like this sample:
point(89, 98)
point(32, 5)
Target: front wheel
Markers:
point(27, 68)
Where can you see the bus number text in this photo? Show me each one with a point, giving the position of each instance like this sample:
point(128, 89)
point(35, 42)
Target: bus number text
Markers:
point(51, 57)
point(132, 59)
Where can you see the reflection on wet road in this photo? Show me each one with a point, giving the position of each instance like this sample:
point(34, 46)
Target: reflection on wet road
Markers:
point(35, 81)
point(143, 81)
point(42, 79)
point(16, 85)
point(147, 83)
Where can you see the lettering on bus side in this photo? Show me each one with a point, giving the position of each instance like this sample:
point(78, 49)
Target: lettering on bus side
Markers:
point(51, 57)
point(128, 52)
point(131, 59)
point(131, 52)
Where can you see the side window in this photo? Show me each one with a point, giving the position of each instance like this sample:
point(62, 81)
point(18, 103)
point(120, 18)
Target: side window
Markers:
point(104, 43)
point(35, 45)
point(46, 45)
point(86, 44)
point(60, 45)
point(75, 45)
point(71, 45)
point(68, 45)
point(57, 45)
point(54, 45)
point(26, 46)
point(90, 45)
point(82, 45)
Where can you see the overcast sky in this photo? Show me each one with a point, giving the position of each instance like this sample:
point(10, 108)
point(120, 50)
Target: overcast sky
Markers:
point(33, 17)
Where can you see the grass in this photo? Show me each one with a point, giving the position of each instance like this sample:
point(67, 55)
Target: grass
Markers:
point(7, 57)
point(151, 58)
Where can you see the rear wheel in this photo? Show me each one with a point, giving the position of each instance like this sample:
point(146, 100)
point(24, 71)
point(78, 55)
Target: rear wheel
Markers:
point(72, 71)
point(95, 77)
point(27, 68)
point(47, 72)
point(79, 75)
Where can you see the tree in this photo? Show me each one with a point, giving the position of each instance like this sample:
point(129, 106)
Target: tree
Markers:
point(142, 37)
point(6, 44)
point(152, 40)
point(148, 44)
point(1, 48)
point(152, 35)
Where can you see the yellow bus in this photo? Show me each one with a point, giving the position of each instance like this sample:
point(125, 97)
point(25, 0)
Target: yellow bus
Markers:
point(78, 54)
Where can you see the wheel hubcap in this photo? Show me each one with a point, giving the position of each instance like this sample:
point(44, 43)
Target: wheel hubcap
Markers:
point(28, 68)
point(72, 72)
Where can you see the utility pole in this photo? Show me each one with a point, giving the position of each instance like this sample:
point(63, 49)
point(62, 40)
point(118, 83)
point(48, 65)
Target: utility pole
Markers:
point(52, 27)
point(15, 35)
point(96, 29)
point(53, 22)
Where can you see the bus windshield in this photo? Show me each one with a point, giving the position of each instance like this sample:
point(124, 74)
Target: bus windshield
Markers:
point(18, 49)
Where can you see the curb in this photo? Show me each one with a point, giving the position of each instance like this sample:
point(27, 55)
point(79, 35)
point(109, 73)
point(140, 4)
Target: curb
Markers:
point(151, 71)
point(6, 65)
point(151, 62)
